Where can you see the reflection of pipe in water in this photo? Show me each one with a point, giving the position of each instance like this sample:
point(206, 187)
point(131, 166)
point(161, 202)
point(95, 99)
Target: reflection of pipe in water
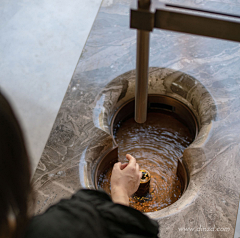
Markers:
point(144, 184)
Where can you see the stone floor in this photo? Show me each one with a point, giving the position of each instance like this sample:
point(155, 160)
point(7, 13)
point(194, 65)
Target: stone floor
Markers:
point(40, 44)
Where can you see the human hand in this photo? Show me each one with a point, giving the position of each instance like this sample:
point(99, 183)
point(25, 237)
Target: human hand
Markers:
point(125, 180)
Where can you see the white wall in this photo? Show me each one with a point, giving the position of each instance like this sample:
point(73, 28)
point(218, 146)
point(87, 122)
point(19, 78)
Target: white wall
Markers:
point(40, 44)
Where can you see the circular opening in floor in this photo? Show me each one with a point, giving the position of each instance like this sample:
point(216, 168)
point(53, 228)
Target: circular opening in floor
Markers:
point(157, 145)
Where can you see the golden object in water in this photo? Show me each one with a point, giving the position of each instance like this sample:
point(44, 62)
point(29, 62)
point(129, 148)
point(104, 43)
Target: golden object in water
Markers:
point(144, 183)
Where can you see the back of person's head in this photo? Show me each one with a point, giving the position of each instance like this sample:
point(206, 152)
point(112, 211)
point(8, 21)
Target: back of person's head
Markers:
point(15, 187)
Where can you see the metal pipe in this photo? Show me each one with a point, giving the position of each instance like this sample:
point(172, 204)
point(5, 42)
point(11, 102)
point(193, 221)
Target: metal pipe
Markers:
point(175, 18)
point(141, 85)
point(186, 20)
point(144, 4)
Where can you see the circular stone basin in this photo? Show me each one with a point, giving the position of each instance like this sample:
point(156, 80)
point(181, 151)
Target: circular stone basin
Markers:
point(157, 146)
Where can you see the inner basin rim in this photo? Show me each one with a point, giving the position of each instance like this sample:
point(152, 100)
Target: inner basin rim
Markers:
point(150, 96)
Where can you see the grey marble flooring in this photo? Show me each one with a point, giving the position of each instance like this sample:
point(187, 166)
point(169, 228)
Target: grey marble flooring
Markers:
point(40, 44)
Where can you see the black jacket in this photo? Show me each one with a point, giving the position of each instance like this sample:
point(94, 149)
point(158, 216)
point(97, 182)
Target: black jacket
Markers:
point(91, 214)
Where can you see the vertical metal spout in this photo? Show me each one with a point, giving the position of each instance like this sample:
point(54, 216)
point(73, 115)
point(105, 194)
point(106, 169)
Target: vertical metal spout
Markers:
point(142, 58)
point(141, 90)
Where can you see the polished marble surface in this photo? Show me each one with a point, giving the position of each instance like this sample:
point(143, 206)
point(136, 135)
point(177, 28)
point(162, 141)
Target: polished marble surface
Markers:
point(212, 197)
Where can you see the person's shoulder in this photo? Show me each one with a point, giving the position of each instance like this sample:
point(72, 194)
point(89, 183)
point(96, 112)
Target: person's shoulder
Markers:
point(42, 226)
point(72, 217)
point(91, 213)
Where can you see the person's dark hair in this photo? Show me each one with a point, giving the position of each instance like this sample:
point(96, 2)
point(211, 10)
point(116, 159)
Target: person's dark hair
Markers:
point(15, 174)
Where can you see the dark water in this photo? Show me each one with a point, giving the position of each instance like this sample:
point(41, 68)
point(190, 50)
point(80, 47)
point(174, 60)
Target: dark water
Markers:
point(157, 144)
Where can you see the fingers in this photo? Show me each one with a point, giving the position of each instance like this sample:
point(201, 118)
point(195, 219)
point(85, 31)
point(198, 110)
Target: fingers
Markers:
point(117, 166)
point(137, 167)
point(133, 164)
point(132, 160)
point(139, 173)
point(123, 166)
point(125, 178)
